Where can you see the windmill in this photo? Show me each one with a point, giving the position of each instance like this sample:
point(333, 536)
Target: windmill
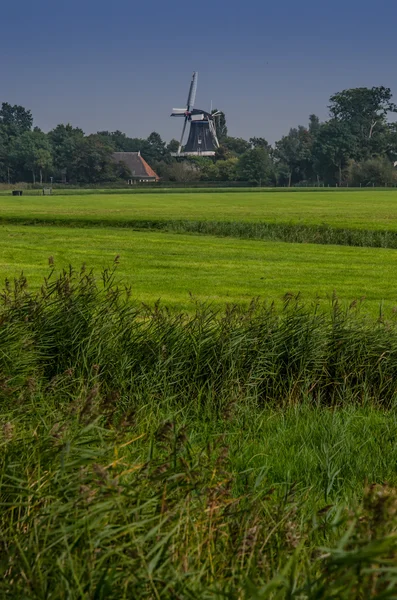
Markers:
point(202, 140)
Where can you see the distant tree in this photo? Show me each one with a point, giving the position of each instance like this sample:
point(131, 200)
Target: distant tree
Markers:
point(15, 119)
point(259, 142)
point(183, 171)
point(4, 155)
point(92, 161)
point(154, 149)
point(223, 153)
point(227, 169)
point(335, 144)
point(206, 168)
point(120, 171)
point(293, 154)
point(43, 157)
point(365, 111)
point(121, 142)
point(220, 124)
point(374, 171)
point(255, 166)
point(64, 140)
point(30, 152)
point(173, 146)
point(362, 108)
point(314, 125)
point(234, 147)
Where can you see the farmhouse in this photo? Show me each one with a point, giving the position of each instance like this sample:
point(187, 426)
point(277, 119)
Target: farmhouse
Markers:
point(139, 168)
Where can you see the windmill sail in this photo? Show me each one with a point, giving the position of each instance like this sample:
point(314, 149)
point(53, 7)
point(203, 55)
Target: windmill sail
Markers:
point(202, 139)
point(192, 92)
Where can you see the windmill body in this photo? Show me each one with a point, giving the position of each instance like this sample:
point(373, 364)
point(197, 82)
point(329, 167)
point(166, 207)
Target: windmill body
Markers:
point(202, 139)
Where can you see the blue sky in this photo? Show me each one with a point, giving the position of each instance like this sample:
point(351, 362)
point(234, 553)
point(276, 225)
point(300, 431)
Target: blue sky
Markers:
point(126, 64)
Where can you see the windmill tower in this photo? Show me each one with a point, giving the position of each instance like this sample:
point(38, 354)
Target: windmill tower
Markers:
point(202, 140)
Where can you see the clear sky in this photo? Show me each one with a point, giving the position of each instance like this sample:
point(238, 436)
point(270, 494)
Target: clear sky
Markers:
point(125, 64)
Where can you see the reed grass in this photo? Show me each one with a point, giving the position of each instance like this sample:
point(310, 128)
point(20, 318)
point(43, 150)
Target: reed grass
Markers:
point(279, 232)
point(259, 351)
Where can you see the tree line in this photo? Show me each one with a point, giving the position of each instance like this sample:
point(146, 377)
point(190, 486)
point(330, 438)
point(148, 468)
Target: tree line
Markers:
point(356, 145)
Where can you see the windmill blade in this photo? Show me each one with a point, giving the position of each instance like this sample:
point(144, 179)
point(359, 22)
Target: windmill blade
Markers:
point(178, 112)
point(183, 133)
point(192, 91)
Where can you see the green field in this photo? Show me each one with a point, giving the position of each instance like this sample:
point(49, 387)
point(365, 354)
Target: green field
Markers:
point(171, 266)
point(351, 209)
point(197, 453)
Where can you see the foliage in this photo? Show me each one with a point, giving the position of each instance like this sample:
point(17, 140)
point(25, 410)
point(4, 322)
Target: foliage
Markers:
point(220, 124)
point(183, 172)
point(260, 142)
point(173, 146)
point(255, 166)
point(371, 172)
point(31, 151)
point(234, 147)
point(15, 120)
point(333, 147)
point(362, 108)
point(293, 155)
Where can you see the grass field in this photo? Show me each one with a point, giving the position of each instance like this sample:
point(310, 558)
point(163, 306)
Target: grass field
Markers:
point(170, 266)
point(196, 453)
point(358, 209)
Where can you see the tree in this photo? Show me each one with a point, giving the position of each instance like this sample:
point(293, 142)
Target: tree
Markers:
point(23, 155)
point(121, 142)
point(92, 161)
point(234, 147)
point(31, 152)
point(227, 169)
point(220, 124)
point(365, 110)
point(4, 156)
point(154, 149)
point(183, 171)
point(15, 119)
point(334, 146)
point(173, 146)
point(259, 142)
point(64, 140)
point(314, 125)
point(42, 153)
point(374, 171)
point(293, 154)
point(255, 166)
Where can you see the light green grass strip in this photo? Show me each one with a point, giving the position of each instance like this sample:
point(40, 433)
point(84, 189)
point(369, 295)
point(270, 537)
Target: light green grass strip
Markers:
point(170, 266)
point(366, 209)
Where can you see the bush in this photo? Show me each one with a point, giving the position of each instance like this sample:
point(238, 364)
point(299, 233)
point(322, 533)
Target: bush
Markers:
point(372, 172)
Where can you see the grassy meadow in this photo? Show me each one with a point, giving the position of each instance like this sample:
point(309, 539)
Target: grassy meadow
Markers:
point(221, 449)
point(373, 210)
point(177, 269)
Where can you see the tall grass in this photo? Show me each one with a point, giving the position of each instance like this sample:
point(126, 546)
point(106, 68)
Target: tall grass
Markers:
point(118, 474)
point(261, 353)
point(284, 232)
